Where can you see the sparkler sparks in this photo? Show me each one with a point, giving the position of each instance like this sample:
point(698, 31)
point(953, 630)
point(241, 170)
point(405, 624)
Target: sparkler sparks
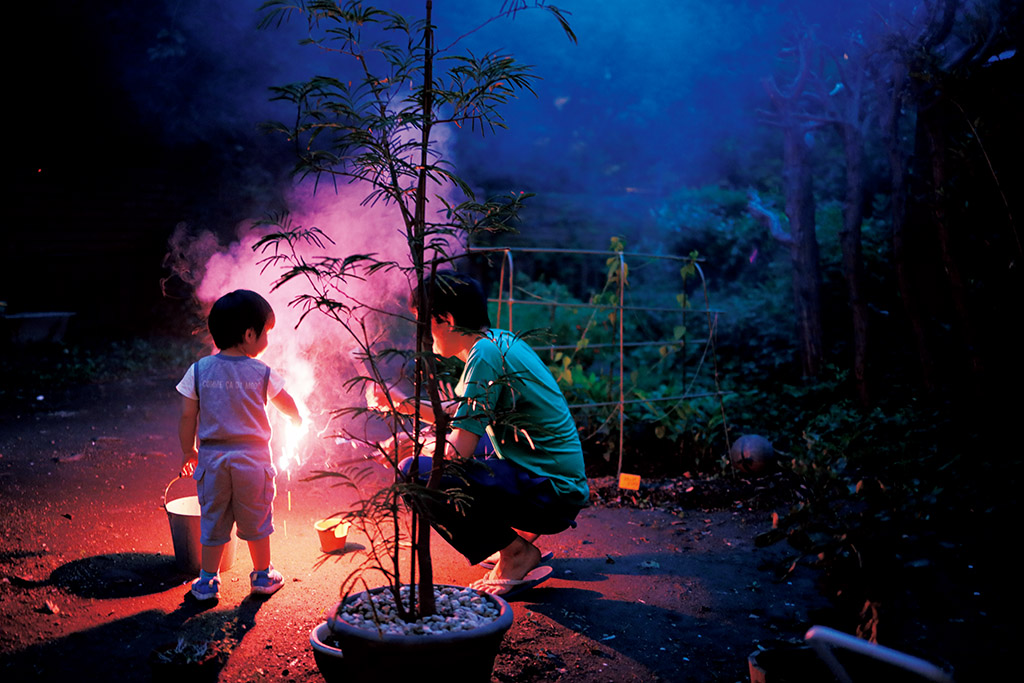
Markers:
point(293, 436)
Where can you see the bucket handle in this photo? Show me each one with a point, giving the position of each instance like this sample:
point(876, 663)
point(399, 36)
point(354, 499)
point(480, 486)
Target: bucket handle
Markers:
point(169, 488)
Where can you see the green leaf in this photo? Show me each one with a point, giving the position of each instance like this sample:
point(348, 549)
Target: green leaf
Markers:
point(559, 15)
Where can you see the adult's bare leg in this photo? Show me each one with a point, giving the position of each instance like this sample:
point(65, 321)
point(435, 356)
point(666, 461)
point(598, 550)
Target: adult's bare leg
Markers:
point(516, 560)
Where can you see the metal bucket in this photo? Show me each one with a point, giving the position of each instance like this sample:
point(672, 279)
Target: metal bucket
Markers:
point(183, 515)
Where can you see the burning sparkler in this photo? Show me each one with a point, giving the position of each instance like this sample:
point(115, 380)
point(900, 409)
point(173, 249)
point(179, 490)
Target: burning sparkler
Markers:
point(293, 435)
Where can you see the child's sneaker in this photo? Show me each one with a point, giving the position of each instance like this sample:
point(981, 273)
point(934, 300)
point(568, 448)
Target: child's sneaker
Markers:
point(266, 582)
point(206, 589)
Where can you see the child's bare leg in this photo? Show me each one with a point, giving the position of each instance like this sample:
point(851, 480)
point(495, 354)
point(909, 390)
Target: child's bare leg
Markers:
point(210, 558)
point(260, 553)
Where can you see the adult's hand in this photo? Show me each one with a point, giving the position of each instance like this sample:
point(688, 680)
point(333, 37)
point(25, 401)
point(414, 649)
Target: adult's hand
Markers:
point(387, 454)
point(377, 399)
point(407, 447)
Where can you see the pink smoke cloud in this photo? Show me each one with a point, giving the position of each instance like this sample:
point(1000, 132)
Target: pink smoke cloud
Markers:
point(315, 356)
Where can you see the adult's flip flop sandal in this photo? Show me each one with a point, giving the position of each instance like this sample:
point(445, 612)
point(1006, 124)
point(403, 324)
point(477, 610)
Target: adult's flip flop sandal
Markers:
point(493, 559)
point(509, 588)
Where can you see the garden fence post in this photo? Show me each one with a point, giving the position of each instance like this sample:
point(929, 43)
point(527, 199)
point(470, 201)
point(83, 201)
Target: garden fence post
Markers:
point(622, 357)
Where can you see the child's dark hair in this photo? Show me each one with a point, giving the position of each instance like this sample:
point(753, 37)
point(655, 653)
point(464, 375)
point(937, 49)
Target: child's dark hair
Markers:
point(236, 312)
point(459, 295)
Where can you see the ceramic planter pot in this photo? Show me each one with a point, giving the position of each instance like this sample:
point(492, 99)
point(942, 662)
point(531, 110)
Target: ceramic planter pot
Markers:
point(787, 664)
point(348, 653)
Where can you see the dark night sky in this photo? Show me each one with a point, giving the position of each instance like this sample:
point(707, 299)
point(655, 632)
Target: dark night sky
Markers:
point(160, 102)
point(647, 97)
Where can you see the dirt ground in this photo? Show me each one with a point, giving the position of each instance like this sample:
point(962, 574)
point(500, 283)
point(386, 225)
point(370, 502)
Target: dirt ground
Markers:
point(89, 586)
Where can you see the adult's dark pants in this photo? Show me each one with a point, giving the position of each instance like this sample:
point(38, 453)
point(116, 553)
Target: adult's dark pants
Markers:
point(499, 497)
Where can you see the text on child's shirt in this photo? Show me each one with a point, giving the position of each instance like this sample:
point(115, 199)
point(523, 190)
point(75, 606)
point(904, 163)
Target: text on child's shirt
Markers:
point(228, 384)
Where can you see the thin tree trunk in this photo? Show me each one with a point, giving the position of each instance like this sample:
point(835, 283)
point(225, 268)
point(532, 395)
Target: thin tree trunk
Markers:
point(803, 250)
point(853, 263)
point(423, 359)
point(799, 193)
point(934, 130)
point(897, 173)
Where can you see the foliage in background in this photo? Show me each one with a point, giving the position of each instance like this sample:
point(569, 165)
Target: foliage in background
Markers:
point(41, 370)
point(880, 492)
point(890, 503)
point(714, 221)
point(866, 479)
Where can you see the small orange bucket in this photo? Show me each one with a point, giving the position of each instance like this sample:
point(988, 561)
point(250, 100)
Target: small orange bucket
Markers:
point(333, 532)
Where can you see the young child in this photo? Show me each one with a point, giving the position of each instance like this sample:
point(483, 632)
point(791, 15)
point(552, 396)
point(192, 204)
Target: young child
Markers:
point(224, 414)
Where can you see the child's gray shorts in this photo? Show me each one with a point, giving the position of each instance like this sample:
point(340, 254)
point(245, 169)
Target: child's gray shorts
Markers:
point(235, 487)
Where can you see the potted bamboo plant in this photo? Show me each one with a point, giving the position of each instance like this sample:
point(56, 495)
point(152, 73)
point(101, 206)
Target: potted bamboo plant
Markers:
point(378, 129)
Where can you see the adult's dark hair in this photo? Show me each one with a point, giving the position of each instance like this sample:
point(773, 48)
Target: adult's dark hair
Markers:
point(236, 312)
point(459, 295)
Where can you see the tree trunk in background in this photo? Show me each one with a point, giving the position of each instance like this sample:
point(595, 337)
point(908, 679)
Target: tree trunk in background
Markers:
point(933, 124)
point(897, 170)
point(803, 250)
point(790, 105)
point(853, 263)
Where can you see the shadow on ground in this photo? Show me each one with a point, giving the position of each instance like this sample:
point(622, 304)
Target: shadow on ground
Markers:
point(118, 575)
point(127, 645)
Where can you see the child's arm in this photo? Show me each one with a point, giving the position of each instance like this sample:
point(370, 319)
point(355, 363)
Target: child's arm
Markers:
point(187, 427)
point(284, 402)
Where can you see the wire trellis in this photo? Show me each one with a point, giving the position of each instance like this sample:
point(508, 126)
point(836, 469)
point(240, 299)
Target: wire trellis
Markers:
point(506, 301)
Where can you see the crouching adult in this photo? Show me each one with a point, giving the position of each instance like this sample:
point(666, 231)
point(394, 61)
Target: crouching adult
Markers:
point(534, 483)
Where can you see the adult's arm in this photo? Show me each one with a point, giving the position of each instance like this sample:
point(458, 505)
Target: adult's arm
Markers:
point(376, 399)
point(461, 444)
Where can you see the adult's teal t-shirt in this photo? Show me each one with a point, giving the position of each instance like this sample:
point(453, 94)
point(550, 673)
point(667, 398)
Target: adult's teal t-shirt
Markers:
point(508, 391)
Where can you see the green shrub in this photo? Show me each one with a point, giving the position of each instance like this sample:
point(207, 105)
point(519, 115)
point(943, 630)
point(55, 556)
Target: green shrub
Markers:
point(45, 369)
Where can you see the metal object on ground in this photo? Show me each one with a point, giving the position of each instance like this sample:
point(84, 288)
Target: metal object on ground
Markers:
point(824, 640)
point(183, 516)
